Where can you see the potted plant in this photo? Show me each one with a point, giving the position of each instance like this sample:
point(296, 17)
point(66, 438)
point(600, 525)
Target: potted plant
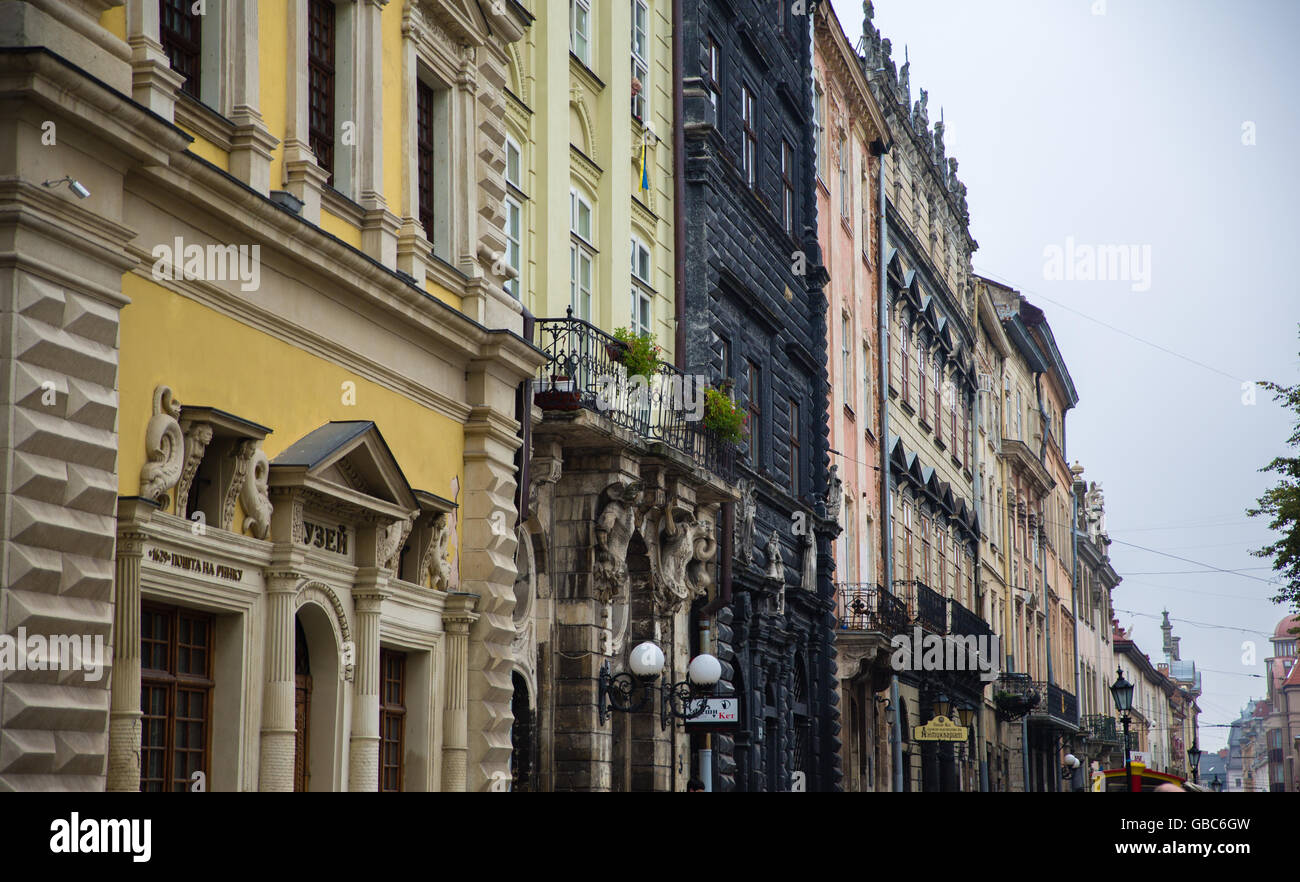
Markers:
point(637, 352)
point(724, 417)
point(562, 394)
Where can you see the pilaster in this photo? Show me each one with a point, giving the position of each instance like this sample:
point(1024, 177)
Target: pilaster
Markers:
point(457, 619)
point(276, 771)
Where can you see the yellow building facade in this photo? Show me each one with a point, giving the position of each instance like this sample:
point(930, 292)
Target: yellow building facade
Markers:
point(266, 416)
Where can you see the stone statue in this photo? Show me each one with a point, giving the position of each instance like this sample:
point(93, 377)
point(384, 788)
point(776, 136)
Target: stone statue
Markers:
point(672, 541)
point(614, 528)
point(775, 565)
point(920, 114)
point(834, 493)
point(746, 509)
point(435, 561)
point(809, 570)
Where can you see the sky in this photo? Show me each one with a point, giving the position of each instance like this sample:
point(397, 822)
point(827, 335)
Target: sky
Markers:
point(1168, 127)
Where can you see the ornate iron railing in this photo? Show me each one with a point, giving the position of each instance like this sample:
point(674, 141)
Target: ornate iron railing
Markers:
point(931, 609)
point(584, 370)
point(1102, 729)
point(868, 607)
point(1059, 704)
point(965, 622)
point(1015, 696)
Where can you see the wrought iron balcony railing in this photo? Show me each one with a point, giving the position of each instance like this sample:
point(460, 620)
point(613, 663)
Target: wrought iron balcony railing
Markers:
point(965, 622)
point(1058, 705)
point(931, 611)
point(1102, 729)
point(867, 607)
point(585, 371)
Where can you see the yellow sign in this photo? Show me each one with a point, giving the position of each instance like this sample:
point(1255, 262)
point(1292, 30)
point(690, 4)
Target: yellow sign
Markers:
point(940, 729)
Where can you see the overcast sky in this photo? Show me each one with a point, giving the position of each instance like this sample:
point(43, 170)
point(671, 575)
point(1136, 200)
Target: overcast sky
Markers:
point(1127, 128)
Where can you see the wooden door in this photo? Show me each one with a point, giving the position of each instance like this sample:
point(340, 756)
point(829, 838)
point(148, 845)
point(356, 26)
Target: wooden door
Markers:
point(301, 725)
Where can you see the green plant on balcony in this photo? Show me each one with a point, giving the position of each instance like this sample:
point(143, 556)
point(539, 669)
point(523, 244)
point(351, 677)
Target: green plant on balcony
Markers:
point(637, 352)
point(724, 417)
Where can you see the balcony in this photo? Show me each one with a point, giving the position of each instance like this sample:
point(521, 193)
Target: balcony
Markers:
point(583, 372)
point(931, 610)
point(1059, 709)
point(868, 607)
point(1102, 730)
point(966, 623)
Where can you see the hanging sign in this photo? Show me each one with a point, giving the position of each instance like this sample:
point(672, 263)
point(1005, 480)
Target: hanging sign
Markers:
point(940, 729)
point(718, 713)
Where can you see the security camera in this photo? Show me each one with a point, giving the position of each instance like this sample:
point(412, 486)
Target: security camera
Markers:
point(74, 185)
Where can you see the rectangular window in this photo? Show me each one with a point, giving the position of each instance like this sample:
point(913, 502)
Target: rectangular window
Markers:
point(965, 433)
point(713, 76)
point(787, 187)
point(180, 33)
point(640, 57)
point(868, 400)
point(392, 719)
point(424, 144)
point(642, 290)
point(755, 378)
point(925, 552)
point(819, 128)
point(846, 185)
point(922, 378)
point(320, 88)
point(938, 402)
point(514, 216)
point(581, 256)
point(175, 698)
point(724, 356)
point(940, 546)
point(906, 361)
point(796, 461)
point(580, 30)
point(846, 360)
point(749, 133)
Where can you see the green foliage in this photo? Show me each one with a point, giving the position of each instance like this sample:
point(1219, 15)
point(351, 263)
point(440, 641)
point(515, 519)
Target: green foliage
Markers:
point(1281, 503)
point(637, 352)
point(724, 417)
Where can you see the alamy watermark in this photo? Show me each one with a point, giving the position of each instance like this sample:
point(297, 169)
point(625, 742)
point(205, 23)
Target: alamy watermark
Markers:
point(920, 651)
point(1074, 262)
point(177, 261)
point(677, 392)
point(59, 652)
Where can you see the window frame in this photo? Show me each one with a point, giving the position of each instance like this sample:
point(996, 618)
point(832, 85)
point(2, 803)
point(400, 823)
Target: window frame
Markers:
point(581, 250)
point(641, 61)
point(642, 288)
point(796, 450)
point(172, 682)
point(749, 136)
point(787, 187)
point(174, 40)
point(395, 712)
point(514, 202)
point(575, 33)
point(754, 379)
point(321, 72)
point(713, 74)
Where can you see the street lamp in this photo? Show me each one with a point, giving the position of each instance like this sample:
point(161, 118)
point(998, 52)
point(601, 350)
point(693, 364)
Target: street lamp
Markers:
point(1194, 760)
point(942, 706)
point(1122, 692)
point(646, 663)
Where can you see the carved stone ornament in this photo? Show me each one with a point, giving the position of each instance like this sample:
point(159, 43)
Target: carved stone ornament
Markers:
point(706, 550)
point(164, 445)
point(746, 509)
point(671, 537)
point(243, 458)
point(391, 541)
point(253, 496)
point(197, 437)
point(434, 560)
point(614, 528)
point(775, 565)
point(834, 494)
point(809, 570)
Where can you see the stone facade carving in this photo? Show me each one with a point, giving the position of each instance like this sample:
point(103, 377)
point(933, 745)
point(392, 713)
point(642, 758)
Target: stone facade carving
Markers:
point(391, 541)
point(197, 436)
point(706, 550)
point(746, 508)
point(434, 560)
point(674, 543)
point(164, 444)
point(834, 494)
point(243, 458)
point(325, 596)
point(614, 527)
point(808, 575)
point(253, 496)
point(775, 565)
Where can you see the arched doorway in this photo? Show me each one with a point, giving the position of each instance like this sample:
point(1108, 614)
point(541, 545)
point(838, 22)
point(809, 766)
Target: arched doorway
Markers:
point(301, 708)
point(318, 702)
point(522, 743)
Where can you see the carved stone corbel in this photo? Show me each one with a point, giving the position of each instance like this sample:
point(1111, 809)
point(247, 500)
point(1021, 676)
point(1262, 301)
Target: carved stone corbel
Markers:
point(197, 436)
point(253, 496)
point(243, 457)
point(391, 541)
point(164, 445)
point(614, 528)
point(434, 559)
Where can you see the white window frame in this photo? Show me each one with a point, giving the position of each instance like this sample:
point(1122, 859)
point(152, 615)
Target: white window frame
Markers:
point(581, 252)
point(514, 203)
point(642, 289)
point(580, 10)
point(819, 138)
point(641, 60)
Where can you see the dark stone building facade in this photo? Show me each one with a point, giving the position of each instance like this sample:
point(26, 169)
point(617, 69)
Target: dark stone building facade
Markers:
point(755, 317)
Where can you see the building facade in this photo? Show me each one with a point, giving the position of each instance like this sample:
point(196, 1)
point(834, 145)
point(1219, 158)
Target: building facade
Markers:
point(755, 316)
point(1097, 580)
point(265, 433)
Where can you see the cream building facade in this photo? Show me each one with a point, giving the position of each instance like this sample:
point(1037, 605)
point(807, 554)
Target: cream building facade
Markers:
point(266, 376)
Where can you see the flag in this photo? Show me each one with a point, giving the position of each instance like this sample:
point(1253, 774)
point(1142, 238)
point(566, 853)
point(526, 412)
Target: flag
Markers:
point(645, 165)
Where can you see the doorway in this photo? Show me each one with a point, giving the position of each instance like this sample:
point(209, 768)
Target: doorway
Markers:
point(301, 709)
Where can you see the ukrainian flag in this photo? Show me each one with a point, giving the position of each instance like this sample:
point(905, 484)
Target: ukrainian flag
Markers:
point(645, 164)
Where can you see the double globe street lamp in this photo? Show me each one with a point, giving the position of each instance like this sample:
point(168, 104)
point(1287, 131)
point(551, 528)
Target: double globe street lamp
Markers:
point(1122, 692)
point(684, 701)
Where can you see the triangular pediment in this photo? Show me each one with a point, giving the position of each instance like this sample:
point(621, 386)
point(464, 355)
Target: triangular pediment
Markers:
point(348, 461)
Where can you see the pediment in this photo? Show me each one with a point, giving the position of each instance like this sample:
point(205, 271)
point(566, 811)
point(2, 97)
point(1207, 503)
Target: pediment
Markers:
point(349, 463)
point(474, 22)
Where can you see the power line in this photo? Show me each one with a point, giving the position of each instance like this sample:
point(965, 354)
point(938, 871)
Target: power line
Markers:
point(1190, 561)
point(1190, 572)
point(1210, 625)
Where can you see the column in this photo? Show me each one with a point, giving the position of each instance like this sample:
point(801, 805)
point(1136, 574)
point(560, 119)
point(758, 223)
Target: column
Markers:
point(124, 713)
point(153, 82)
point(252, 143)
point(278, 733)
point(456, 619)
point(379, 225)
point(302, 176)
point(363, 750)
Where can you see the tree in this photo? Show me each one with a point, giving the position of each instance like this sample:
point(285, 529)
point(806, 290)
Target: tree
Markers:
point(1282, 503)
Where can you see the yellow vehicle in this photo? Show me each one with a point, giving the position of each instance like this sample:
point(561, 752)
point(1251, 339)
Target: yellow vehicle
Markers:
point(1144, 780)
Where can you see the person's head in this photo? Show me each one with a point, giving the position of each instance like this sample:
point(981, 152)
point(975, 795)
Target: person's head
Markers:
point(1169, 788)
point(695, 785)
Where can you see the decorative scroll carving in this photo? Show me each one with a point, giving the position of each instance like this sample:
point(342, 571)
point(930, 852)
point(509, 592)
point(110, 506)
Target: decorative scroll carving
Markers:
point(746, 509)
point(706, 549)
point(670, 545)
point(243, 456)
point(614, 527)
point(434, 560)
point(391, 541)
point(164, 445)
point(197, 436)
point(253, 496)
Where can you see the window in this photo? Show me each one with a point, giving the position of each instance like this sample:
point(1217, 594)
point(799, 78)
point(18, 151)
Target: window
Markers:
point(180, 33)
point(906, 360)
point(320, 87)
point(866, 209)
point(514, 216)
point(640, 56)
point(392, 719)
point(850, 544)
point(846, 186)
point(941, 546)
point(749, 145)
point(923, 377)
point(846, 360)
point(925, 551)
point(796, 462)
point(424, 148)
point(907, 540)
point(819, 128)
point(581, 256)
point(938, 402)
point(713, 74)
point(642, 290)
point(868, 401)
point(580, 30)
point(175, 698)
point(724, 356)
point(787, 187)
point(755, 378)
